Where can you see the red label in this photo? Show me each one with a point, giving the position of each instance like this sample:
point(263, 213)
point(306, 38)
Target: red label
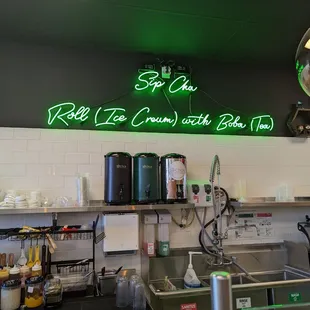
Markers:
point(150, 248)
point(264, 215)
point(196, 197)
point(192, 306)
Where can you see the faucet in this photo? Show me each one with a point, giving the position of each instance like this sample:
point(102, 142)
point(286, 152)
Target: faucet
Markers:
point(217, 224)
point(237, 227)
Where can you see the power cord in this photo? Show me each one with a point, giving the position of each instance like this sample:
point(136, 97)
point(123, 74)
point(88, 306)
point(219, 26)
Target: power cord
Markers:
point(181, 225)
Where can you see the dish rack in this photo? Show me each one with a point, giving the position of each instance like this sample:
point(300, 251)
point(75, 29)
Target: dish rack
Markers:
point(74, 273)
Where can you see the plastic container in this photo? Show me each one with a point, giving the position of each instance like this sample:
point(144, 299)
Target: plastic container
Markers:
point(163, 242)
point(34, 292)
point(10, 295)
point(15, 273)
point(52, 293)
point(4, 276)
point(36, 270)
point(190, 279)
point(149, 240)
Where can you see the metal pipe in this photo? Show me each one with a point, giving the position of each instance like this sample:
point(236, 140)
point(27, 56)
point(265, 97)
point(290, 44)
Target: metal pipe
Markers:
point(221, 291)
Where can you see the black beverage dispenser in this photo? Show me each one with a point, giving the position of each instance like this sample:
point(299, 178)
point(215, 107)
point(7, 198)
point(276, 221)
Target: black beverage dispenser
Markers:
point(146, 177)
point(117, 178)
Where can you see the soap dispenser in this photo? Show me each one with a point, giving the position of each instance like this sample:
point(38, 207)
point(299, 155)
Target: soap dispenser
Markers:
point(190, 279)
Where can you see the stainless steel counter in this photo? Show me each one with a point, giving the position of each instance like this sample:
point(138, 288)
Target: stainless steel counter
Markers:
point(95, 208)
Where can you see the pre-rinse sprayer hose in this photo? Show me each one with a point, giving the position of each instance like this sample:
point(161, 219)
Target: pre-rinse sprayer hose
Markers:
point(203, 233)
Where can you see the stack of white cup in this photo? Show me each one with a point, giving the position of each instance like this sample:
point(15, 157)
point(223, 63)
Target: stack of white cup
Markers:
point(9, 200)
point(35, 200)
point(21, 202)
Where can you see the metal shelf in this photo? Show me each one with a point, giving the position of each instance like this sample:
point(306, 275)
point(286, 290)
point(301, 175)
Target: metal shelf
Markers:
point(271, 203)
point(95, 208)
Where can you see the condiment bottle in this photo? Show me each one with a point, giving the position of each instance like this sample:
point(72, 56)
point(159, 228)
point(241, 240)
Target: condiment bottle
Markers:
point(34, 292)
point(25, 273)
point(36, 270)
point(11, 260)
point(10, 295)
point(4, 275)
point(14, 273)
point(3, 260)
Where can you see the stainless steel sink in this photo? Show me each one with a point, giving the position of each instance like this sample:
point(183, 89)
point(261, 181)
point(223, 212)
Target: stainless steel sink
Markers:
point(280, 283)
point(235, 279)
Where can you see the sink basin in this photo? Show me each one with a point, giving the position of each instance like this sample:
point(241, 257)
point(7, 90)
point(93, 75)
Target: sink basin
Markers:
point(235, 279)
point(178, 283)
point(268, 276)
point(281, 275)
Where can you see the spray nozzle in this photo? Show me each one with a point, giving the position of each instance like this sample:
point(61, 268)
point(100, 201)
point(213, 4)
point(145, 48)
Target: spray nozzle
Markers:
point(190, 253)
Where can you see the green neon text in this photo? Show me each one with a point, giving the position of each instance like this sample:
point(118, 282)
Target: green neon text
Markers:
point(113, 119)
point(151, 80)
point(67, 110)
point(261, 123)
point(174, 87)
point(68, 114)
point(140, 118)
point(229, 121)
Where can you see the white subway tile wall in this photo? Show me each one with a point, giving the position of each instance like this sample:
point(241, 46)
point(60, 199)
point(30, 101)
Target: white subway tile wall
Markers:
point(48, 160)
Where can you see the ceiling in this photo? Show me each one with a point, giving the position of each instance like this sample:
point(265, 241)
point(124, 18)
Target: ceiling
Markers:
point(226, 30)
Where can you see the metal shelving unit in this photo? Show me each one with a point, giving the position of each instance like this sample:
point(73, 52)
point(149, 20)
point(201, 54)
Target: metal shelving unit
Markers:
point(95, 208)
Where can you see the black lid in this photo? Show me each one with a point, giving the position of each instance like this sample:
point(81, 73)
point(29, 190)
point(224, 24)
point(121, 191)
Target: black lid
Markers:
point(117, 154)
point(11, 283)
point(145, 155)
point(35, 280)
point(173, 155)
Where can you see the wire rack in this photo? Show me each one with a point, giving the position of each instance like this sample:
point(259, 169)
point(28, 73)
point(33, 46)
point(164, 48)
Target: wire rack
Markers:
point(57, 233)
point(74, 266)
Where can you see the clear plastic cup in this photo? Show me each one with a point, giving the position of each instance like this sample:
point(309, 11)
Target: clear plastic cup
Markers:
point(139, 301)
point(122, 292)
point(134, 279)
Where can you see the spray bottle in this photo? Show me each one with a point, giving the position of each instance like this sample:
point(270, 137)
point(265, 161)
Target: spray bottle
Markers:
point(190, 279)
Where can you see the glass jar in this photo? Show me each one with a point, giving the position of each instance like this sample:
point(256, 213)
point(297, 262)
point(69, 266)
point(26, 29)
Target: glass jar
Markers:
point(52, 292)
point(36, 270)
point(34, 292)
point(10, 295)
point(14, 273)
point(4, 275)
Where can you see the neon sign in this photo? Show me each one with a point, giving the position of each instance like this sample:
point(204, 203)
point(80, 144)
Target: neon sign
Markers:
point(68, 114)
point(151, 80)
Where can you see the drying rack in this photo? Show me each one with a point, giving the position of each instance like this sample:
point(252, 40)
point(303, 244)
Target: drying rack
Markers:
point(72, 233)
